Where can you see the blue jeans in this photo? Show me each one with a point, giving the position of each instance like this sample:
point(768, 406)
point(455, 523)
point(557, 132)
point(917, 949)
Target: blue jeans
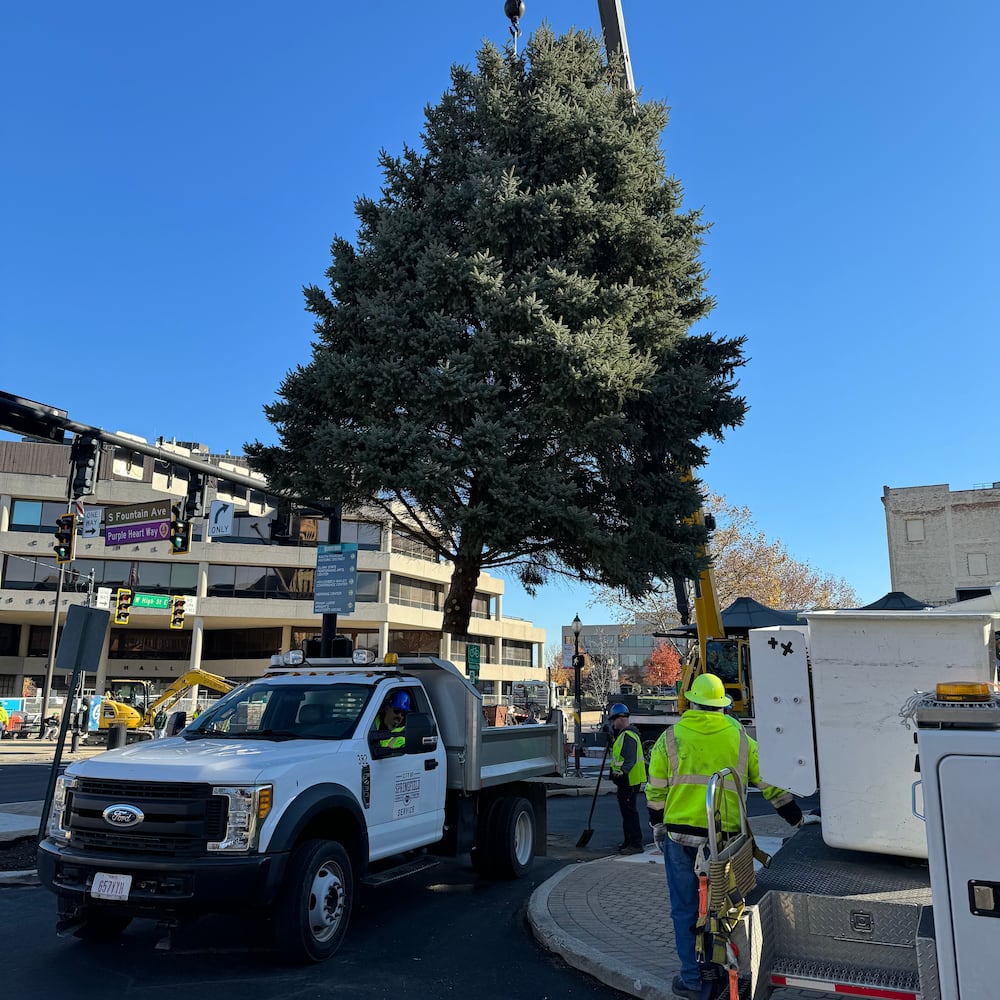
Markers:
point(682, 884)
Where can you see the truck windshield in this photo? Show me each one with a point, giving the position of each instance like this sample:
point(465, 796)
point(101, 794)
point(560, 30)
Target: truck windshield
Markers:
point(283, 712)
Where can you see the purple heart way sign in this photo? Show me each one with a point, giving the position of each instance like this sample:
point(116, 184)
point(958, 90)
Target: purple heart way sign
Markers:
point(148, 522)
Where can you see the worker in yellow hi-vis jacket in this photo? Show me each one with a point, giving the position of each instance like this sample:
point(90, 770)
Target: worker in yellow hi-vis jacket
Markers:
point(682, 763)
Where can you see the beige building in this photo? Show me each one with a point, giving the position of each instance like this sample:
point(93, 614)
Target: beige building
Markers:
point(252, 590)
point(944, 544)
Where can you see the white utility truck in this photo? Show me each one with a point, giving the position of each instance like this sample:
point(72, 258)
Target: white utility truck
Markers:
point(854, 908)
point(289, 791)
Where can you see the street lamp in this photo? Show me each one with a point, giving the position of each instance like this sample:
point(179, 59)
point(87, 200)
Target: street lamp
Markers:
point(577, 702)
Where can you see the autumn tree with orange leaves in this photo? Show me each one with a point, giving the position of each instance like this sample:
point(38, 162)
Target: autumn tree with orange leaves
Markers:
point(663, 665)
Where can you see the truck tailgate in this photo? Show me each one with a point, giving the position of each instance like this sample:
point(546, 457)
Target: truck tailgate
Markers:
point(510, 753)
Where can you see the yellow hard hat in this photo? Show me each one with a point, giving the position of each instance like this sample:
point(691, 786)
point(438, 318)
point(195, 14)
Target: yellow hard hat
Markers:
point(708, 690)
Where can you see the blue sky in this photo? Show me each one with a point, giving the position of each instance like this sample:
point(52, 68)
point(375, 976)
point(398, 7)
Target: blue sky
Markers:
point(174, 174)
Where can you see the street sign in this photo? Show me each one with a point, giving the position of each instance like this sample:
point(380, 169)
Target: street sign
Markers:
point(147, 522)
point(161, 602)
point(220, 519)
point(336, 579)
point(92, 522)
point(568, 655)
point(472, 652)
point(82, 639)
point(103, 597)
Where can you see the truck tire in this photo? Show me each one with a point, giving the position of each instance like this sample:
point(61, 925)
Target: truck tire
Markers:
point(511, 837)
point(314, 908)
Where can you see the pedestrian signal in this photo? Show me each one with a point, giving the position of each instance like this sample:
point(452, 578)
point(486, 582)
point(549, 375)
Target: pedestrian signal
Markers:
point(65, 546)
point(123, 605)
point(177, 605)
point(180, 532)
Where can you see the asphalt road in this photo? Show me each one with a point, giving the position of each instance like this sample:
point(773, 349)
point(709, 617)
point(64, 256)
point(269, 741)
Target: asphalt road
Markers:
point(437, 935)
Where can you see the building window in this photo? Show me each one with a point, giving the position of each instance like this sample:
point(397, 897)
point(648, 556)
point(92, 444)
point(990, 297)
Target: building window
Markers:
point(482, 606)
point(415, 593)
point(35, 515)
point(366, 535)
point(10, 639)
point(366, 591)
point(149, 644)
point(517, 654)
point(7, 685)
point(405, 544)
point(242, 643)
point(977, 564)
point(485, 644)
point(914, 529)
point(414, 642)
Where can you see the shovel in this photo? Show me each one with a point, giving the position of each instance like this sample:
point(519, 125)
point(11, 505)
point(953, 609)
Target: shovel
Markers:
point(588, 833)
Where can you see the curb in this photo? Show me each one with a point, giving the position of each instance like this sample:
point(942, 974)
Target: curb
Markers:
point(579, 955)
point(29, 877)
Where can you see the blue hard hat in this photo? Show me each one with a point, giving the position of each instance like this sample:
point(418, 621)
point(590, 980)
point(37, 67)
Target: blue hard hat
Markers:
point(619, 709)
point(401, 700)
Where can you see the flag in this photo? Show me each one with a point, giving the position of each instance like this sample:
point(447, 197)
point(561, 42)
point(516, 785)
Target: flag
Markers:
point(80, 509)
point(133, 575)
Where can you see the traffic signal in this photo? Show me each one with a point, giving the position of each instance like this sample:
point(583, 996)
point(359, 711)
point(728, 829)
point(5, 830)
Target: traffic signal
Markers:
point(194, 505)
point(123, 605)
point(86, 455)
point(177, 612)
point(180, 532)
point(65, 547)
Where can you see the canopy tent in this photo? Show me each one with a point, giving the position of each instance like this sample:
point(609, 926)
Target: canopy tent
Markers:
point(743, 614)
point(895, 600)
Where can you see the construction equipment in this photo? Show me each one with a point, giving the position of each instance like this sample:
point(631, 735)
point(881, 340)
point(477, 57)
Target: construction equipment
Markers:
point(131, 703)
point(589, 832)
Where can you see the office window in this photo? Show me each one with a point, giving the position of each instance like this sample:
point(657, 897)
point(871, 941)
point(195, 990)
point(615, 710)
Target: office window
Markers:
point(36, 573)
point(35, 515)
point(10, 639)
point(405, 544)
point(366, 535)
point(458, 645)
point(242, 643)
point(367, 588)
point(482, 606)
point(517, 654)
point(415, 593)
point(414, 642)
point(149, 644)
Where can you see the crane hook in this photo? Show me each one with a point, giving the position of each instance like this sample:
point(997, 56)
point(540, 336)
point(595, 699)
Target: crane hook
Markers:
point(514, 10)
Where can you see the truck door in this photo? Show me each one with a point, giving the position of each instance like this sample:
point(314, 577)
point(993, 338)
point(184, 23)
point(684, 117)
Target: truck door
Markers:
point(407, 790)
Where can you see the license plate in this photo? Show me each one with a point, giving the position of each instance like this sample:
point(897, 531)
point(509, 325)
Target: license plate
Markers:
point(111, 886)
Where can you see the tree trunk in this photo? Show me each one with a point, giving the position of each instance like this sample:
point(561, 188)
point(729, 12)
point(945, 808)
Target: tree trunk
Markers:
point(461, 590)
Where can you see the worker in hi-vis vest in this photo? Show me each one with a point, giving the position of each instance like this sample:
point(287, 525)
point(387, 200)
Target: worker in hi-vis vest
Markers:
point(628, 772)
point(705, 740)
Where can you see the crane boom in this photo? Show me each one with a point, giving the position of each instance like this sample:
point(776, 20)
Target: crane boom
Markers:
point(615, 39)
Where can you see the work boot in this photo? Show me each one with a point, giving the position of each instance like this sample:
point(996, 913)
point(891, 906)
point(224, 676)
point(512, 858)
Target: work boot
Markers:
point(630, 849)
point(687, 992)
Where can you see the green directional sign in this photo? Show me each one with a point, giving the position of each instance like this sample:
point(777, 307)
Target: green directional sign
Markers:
point(472, 651)
point(159, 601)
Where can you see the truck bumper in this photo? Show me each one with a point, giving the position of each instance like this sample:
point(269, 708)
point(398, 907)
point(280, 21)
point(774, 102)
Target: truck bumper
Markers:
point(163, 885)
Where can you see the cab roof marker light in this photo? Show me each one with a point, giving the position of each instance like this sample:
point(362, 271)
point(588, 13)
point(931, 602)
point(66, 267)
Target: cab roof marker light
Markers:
point(963, 691)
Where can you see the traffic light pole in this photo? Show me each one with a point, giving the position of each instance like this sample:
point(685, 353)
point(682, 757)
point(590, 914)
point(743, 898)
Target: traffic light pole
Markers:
point(51, 666)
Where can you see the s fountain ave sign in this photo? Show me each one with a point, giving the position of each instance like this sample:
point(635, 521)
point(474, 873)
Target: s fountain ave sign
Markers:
point(147, 522)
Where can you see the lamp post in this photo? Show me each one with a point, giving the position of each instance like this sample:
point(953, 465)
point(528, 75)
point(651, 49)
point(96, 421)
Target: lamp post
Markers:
point(577, 702)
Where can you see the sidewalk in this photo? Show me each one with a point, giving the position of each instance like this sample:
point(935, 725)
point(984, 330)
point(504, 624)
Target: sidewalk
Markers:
point(610, 918)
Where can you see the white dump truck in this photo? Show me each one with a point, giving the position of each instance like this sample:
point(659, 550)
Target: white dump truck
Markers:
point(291, 790)
point(853, 907)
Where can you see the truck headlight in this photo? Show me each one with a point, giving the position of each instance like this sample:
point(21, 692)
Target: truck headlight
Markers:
point(248, 808)
point(58, 826)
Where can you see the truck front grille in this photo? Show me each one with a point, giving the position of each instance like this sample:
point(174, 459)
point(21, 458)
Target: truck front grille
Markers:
point(179, 820)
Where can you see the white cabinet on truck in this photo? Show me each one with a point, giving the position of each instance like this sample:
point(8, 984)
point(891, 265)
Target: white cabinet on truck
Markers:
point(291, 790)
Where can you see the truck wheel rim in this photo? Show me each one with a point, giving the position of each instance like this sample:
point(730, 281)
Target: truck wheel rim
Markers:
point(326, 901)
point(523, 838)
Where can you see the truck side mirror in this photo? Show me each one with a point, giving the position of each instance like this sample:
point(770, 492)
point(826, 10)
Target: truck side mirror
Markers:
point(421, 733)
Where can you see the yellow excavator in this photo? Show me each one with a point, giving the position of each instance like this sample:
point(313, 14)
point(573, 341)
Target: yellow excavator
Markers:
point(130, 702)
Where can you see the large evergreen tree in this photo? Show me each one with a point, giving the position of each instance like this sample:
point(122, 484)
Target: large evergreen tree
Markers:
point(503, 361)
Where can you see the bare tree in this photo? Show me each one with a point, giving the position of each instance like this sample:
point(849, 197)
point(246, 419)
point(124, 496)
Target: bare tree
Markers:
point(601, 680)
